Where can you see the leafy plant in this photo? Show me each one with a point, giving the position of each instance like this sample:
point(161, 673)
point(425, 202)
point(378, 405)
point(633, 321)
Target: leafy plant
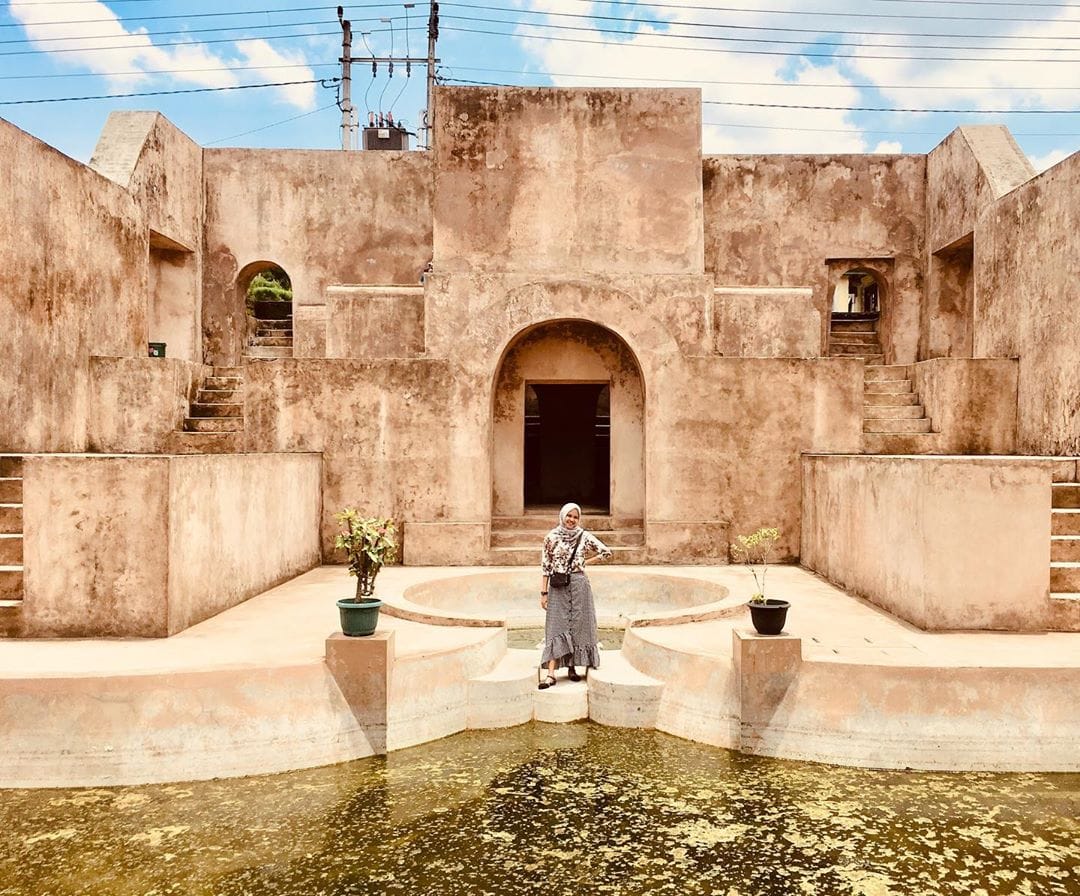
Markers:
point(755, 551)
point(368, 543)
point(270, 286)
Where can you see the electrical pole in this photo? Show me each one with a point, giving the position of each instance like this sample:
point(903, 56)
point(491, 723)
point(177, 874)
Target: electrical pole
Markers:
point(346, 80)
point(432, 36)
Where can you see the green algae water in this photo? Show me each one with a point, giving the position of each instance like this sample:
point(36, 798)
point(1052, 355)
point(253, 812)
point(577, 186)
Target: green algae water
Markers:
point(552, 810)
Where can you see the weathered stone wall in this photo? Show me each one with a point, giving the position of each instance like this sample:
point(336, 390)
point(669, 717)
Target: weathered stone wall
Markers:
point(326, 217)
point(775, 220)
point(1026, 250)
point(73, 274)
point(561, 182)
point(971, 403)
point(136, 404)
point(945, 543)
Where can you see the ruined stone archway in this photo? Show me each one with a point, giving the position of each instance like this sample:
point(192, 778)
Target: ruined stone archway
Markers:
point(569, 372)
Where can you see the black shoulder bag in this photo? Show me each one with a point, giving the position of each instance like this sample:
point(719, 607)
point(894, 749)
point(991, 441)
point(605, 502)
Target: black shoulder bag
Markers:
point(562, 579)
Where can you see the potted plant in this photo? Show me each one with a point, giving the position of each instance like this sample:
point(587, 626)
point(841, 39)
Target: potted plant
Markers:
point(754, 550)
point(368, 543)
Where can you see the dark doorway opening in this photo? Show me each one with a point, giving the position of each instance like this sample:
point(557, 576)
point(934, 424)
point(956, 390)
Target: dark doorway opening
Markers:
point(568, 445)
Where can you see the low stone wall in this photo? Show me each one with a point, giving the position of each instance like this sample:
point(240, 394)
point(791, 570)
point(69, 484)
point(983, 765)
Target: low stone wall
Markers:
point(971, 403)
point(134, 546)
point(946, 543)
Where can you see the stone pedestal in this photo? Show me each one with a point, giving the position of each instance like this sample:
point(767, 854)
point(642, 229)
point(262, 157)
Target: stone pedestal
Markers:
point(765, 669)
point(362, 668)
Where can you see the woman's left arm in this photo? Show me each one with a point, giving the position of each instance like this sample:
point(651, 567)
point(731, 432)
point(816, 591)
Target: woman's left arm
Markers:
point(599, 550)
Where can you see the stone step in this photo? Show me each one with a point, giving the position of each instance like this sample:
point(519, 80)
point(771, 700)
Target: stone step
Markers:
point(852, 326)
point(11, 519)
point(878, 372)
point(530, 556)
point(274, 331)
point(887, 387)
point(10, 490)
point(1065, 522)
point(1064, 576)
point(213, 424)
point(1065, 548)
point(1065, 494)
point(268, 341)
point(219, 396)
point(204, 443)
point(267, 352)
point(223, 383)
point(527, 538)
point(889, 400)
point(873, 360)
point(217, 410)
point(894, 412)
point(567, 701)
point(864, 337)
point(621, 696)
point(901, 443)
point(11, 465)
point(891, 425)
point(545, 522)
point(844, 347)
point(235, 372)
point(505, 695)
point(11, 582)
point(285, 321)
point(11, 549)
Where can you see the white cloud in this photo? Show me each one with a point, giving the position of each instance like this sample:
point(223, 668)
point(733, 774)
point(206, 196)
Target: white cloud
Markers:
point(1051, 158)
point(104, 45)
point(888, 147)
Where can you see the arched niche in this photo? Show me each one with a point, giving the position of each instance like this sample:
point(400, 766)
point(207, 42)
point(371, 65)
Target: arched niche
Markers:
point(557, 371)
point(263, 280)
point(858, 291)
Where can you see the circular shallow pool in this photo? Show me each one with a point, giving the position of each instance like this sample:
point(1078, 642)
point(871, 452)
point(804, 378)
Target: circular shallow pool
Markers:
point(546, 810)
point(512, 597)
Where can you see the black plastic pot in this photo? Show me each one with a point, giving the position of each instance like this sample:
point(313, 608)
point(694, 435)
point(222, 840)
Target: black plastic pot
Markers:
point(769, 617)
point(272, 310)
point(359, 617)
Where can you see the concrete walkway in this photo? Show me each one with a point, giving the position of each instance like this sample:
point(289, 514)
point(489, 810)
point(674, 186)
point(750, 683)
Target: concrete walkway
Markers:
point(249, 692)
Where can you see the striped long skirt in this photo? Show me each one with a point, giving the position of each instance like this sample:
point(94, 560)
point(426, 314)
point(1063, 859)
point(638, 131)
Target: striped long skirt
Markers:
point(570, 625)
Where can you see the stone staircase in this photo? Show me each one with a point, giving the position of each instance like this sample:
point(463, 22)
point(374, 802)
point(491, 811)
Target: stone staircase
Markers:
point(894, 421)
point(1065, 541)
point(855, 338)
point(615, 694)
point(272, 339)
point(215, 421)
point(11, 543)
point(516, 540)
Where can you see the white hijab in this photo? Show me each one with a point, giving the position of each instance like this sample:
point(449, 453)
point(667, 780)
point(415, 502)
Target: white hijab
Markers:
point(569, 535)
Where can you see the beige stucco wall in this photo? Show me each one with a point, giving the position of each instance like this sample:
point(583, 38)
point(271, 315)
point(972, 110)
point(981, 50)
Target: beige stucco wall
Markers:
point(373, 322)
point(326, 217)
point(1026, 250)
point(768, 322)
point(152, 545)
point(944, 543)
point(775, 220)
point(971, 403)
point(552, 181)
point(73, 250)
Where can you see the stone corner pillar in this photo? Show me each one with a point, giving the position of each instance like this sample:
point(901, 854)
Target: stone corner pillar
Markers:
point(362, 668)
point(766, 666)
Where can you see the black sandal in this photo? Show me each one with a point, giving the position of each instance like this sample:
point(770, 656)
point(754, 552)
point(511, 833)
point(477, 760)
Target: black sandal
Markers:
point(572, 674)
point(549, 681)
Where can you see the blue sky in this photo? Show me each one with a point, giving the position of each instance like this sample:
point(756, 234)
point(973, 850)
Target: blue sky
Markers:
point(817, 76)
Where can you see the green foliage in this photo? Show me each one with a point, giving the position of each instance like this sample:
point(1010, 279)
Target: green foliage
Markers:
point(368, 543)
point(754, 551)
point(270, 286)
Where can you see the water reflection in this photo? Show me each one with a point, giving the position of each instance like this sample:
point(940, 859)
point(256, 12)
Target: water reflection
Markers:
point(551, 810)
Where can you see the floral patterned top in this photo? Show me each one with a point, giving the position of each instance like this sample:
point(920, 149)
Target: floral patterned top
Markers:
point(555, 555)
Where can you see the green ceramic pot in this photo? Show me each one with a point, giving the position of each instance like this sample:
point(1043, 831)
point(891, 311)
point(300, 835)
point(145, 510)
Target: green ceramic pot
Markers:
point(359, 618)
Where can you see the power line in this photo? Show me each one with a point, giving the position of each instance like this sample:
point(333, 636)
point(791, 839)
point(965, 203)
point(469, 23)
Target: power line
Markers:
point(274, 125)
point(696, 81)
point(46, 40)
point(836, 108)
point(767, 40)
point(193, 15)
point(733, 51)
point(776, 127)
point(728, 26)
point(986, 3)
point(167, 71)
point(325, 82)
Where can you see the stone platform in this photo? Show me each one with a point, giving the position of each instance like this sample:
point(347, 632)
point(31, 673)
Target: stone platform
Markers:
point(250, 691)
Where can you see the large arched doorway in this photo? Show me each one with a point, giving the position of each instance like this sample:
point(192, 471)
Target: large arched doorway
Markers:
point(568, 423)
point(266, 291)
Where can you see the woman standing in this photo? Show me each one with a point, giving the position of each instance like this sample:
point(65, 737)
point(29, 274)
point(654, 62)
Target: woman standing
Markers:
point(570, 624)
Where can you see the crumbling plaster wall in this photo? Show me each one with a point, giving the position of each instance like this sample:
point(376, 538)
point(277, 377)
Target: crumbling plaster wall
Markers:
point(556, 181)
point(326, 217)
point(73, 274)
point(1027, 245)
point(775, 220)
